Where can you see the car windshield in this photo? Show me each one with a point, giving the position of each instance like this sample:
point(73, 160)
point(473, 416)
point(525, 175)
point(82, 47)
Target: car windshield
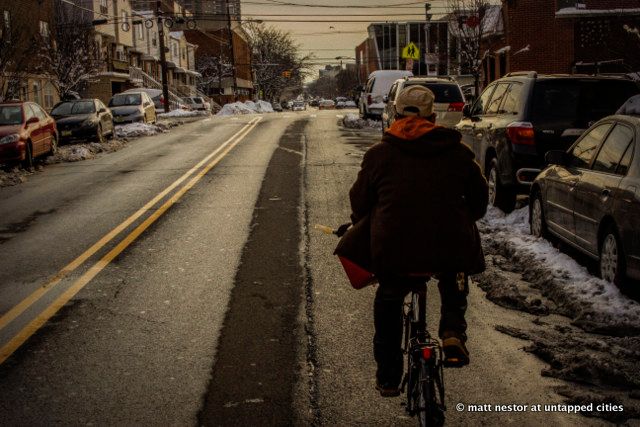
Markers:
point(444, 93)
point(10, 115)
point(198, 100)
point(126, 99)
point(579, 102)
point(70, 108)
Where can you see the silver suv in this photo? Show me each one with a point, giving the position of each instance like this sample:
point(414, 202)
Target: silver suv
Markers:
point(448, 104)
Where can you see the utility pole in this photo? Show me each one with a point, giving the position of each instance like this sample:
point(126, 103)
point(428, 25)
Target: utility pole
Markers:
point(163, 57)
point(233, 54)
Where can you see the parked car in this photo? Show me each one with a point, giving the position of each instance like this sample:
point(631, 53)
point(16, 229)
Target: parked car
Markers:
point(26, 132)
point(154, 94)
point(83, 119)
point(378, 84)
point(448, 103)
point(350, 104)
point(276, 106)
point(521, 116)
point(590, 197)
point(326, 104)
point(314, 102)
point(132, 107)
point(299, 106)
point(197, 103)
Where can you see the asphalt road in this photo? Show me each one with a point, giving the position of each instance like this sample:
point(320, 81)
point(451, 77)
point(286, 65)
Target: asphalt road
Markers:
point(218, 304)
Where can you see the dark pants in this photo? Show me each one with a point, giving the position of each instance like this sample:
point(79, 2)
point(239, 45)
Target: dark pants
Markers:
point(387, 315)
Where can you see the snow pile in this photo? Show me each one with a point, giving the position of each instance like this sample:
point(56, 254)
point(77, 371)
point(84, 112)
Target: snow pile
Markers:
point(353, 121)
point(132, 130)
point(248, 107)
point(592, 303)
point(78, 152)
point(183, 113)
point(13, 177)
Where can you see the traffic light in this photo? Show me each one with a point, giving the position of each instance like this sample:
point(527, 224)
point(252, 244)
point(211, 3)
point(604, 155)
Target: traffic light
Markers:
point(287, 74)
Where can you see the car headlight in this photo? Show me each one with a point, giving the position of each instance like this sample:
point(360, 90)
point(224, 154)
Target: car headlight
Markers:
point(14, 137)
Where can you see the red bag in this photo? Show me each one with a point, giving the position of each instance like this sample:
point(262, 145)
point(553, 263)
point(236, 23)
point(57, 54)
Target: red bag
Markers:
point(354, 253)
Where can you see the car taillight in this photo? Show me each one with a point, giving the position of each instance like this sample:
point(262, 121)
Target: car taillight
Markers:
point(456, 106)
point(521, 133)
point(369, 100)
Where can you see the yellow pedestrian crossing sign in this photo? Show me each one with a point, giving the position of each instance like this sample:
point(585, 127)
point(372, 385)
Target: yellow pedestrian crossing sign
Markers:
point(411, 51)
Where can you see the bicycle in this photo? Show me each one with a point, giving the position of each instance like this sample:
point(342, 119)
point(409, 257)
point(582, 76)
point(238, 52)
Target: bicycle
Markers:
point(424, 379)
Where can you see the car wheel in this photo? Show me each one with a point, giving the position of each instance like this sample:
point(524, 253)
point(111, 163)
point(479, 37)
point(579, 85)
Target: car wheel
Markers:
point(611, 264)
point(54, 146)
point(500, 196)
point(537, 222)
point(99, 135)
point(27, 163)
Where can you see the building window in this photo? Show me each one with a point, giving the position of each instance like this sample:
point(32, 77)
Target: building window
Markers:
point(140, 31)
point(44, 30)
point(104, 8)
point(175, 50)
point(48, 96)
point(36, 93)
point(154, 39)
point(6, 28)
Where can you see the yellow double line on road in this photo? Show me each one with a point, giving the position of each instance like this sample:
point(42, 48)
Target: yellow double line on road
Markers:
point(214, 158)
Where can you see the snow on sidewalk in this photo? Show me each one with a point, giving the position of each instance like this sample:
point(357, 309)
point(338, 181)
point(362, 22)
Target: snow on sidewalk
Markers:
point(353, 121)
point(132, 130)
point(179, 113)
point(594, 304)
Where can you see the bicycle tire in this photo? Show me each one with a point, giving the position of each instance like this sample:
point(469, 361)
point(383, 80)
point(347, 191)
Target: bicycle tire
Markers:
point(430, 410)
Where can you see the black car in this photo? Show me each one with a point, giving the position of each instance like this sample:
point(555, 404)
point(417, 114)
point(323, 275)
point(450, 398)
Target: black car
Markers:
point(83, 119)
point(521, 116)
point(590, 197)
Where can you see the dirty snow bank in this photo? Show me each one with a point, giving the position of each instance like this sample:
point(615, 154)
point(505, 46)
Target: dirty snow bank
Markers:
point(353, 121)
point(592, 303)
point(132, 130)
point(248, 107)
point(78, 152)
point(183, 113)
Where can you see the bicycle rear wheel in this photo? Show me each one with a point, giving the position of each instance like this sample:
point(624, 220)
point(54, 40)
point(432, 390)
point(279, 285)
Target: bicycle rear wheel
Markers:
point(430, 407)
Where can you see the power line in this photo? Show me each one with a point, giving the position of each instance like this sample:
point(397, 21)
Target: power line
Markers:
point(283, 3)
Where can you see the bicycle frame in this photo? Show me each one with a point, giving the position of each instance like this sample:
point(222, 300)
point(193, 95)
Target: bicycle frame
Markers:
point(424, 379)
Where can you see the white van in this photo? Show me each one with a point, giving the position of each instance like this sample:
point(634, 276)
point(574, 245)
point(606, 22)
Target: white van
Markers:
point(378, 85)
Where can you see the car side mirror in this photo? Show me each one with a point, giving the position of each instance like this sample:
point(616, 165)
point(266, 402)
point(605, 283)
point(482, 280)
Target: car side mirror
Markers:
point(385, 99)
point(146, 104)
point(466, 110)
point(32, 120)
point(102, 110)
point(556, 157)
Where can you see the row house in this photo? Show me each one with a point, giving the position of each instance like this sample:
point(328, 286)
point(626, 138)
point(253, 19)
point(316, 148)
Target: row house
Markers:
point(25, 27)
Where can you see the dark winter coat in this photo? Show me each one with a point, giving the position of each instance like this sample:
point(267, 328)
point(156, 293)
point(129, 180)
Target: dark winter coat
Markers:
point(423, 191)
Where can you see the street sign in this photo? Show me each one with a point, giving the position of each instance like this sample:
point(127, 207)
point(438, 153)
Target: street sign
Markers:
point(411, 51)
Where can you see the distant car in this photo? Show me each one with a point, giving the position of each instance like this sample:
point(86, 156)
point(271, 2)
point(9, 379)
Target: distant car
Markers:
point(521, 116)
point(132, 107)
point(378, 84)
point(299, 106)
point(314, 102)
point(83, 119)
point(447, 106)
point(590, 197)
point(326, 104)
point(197, 103)
point(276, 106)
point(26, 132)
point(350, 104)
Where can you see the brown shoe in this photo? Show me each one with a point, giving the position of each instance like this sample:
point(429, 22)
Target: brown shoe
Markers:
point(456, 354)
point(387, 391)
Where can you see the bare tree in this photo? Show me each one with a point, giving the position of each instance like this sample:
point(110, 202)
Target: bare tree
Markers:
point(73, 61)
point(467, 25)
point(213, 69)
point(16, 48)
point(277, 62)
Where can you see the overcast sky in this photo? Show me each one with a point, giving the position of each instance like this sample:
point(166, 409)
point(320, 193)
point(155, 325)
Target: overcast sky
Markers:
point(331, 36)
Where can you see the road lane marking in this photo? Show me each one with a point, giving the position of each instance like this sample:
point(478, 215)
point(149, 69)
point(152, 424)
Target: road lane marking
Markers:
point(24, 334)
point(18, 309)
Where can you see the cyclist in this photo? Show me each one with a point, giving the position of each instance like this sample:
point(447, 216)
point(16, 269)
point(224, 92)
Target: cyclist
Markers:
point(423, 191)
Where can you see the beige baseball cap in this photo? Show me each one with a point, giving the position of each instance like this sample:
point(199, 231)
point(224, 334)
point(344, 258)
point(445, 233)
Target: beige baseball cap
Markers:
point(419, 98)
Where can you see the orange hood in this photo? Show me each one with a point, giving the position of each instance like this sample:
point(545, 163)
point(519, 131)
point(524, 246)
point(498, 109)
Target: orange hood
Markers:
point(410, 128)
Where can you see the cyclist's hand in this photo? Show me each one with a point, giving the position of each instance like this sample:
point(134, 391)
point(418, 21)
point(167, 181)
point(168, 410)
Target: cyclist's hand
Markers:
point(342, 229)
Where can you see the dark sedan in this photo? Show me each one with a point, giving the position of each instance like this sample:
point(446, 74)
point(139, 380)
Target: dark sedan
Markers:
point(590, 197)
point(83, 119)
